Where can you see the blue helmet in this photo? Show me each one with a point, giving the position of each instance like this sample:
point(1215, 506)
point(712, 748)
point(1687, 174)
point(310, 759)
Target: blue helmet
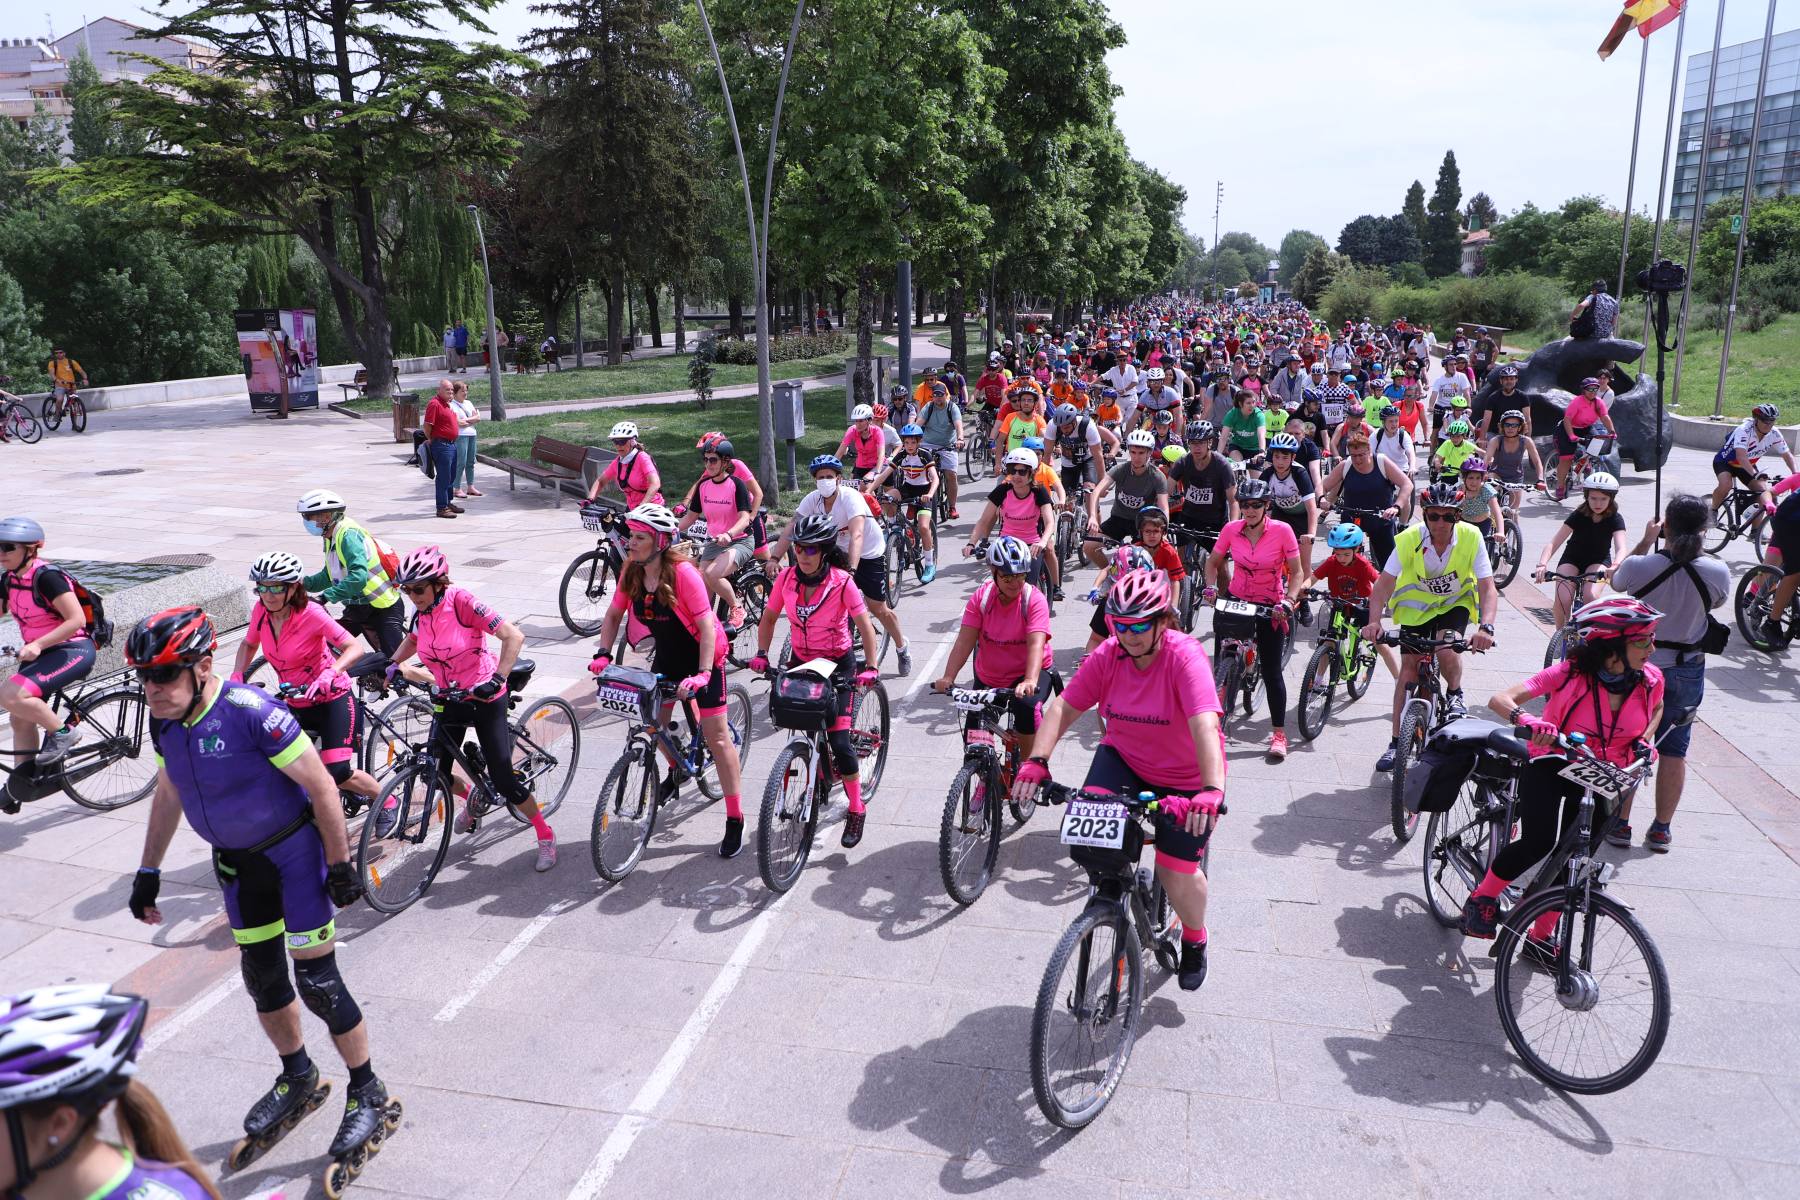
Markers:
point(908, 430)
point(825, 460)
point(1033, 443)
point(1345, 535)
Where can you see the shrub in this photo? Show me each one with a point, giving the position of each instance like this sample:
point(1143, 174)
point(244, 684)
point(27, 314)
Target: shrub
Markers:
point(1354, 294)
point(528, 337)
point(784, 349)
point(700, 370)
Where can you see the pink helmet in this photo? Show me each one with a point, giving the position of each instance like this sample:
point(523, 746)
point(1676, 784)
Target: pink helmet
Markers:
point(423, 565)
point(1129, 557)
point(1137, 595)
point(1611, 617)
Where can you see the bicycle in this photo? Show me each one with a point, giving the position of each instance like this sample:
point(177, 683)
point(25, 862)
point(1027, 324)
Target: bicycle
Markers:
point(969, 833)
point(1753, 605)
point(71, 406)
point(16, 421)
point(1127, 912)
point(1238, 673)
point(978, 451)
point(625, 816)
point(905, 547)
point(1422, 711)
point(1553, 653)
point(801, 778)
point(1194, 545)
point(112, 712)
point(1590, 455)
point(587, 584)
point(1342, 656)
point(398, 864)
point(1741, 515)
point(748, 581)
point(1507, 549)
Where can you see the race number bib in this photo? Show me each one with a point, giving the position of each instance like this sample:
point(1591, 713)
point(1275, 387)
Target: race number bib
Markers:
point(1334, 413)
point(1236, 608)
point(1130, 501)
point(1443, 585)
point(1199, 495)
point(1596, 777)
point(622, 701)
point(1094, 823)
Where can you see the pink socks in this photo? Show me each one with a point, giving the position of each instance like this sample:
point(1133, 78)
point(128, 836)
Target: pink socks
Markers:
point(1493, 885)
point(853, 792)
point(734, 807)
point(542, 826)
point(1544, 928)
point(1196, 936)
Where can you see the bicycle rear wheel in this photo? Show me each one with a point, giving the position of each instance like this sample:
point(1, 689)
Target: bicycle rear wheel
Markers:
point(586, 592)
point(740, 722)
point(77, 416)
point(1415, 725)
point(895, 566)
point(117, 766)
point(1595, 1020)
point(789, 817)
point(546, 749)
point(1317, 687)
point(969, 833)
point(404, 724)
point(1512, 549)
point(1459, 844)
point(1086, 1016)
point(397, 865)
point(869, 737)
point(625, 814)
point(48, 414)
point(1363, 672)
point(1755, 593)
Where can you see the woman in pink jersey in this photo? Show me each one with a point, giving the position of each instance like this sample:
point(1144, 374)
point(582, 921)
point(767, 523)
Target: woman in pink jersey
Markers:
point(1264, 561)
point(863, 437)
point(823, 605)
point(449, 634)
point(57, 650)
point(1021, 505)
point(1006, 625)
point(759, 533)
point(1154, 688)
point(663, 589)
point(633, 471)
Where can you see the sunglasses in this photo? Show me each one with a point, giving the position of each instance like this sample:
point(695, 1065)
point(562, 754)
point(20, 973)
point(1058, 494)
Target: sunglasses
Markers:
point(809, 549)
point(621, 441)
point(271, 589)
point(1443, 518)
point(1018, 470)
point(710, 458)
point(1144, 626)
point(1258, 504)
point(161, 676)
point(8, 547)
point(1642, 643)
point(416, 589)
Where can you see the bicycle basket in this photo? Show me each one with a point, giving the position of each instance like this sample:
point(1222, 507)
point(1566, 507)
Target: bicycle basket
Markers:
point(596, 517)
point(627, 692)
point(803, 701)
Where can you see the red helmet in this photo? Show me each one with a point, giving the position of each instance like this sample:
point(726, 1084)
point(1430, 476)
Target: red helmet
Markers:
point(175, 637)
point(1138, 594)
point(1611, 617)
point(881, 412)
point(709, 439)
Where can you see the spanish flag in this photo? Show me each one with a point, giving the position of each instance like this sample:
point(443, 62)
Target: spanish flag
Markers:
point(1648, 15)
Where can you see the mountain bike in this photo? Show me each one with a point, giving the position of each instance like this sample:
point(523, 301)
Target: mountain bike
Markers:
point(978, 447)
point(905, 547)
point(1069, 526)
point(625, 815)
point(1194, 545)
point(1590, 455)
point(399, 859)
point(67, 404)
point(1091, 1018)
point(1507, 549)
point(1553, 653)
point(587, 584)
point(1342, 656)
point(1236, 669)
point(1753, 603)
point(1741, 515)
point(16, 421)
point(112, 766)
point(1421, 712)
point(969, 833)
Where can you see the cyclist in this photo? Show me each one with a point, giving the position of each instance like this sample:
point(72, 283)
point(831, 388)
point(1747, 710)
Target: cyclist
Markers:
point(1137, 482)
point(1585, 410)
point(1355, 424)
point(1373, 484)
point(1006, 625)
point(720, 498)
point(1348, 575)
point(911, 472)
point(759, 531)
point(1081, 444)
point(1292, 493)
point(863, 436)
point(952, 377)
point(1482, 354)
point(990, 387)
point(234, 761)
point(1046, 477)
point(900, 406)
point(1025, 420)
point(1157, 396)
point(1481, 499)
point(1392, 442)
point(1206, 486)
point(943, 425)
point(1259, 561)
point(1457, 448)
point(67, 1055)
point(1605, 688)
point(1335, 398)
point(1507, 398)
point(824, 607)
point(663, 589)
point(66, 375)
point(1754, 438)
point(890, 436)
point(1125, 558)
point(58, 649)
point(1151, 683)
point(632, 470)
point(1022, 506)
point(1108, 413)
point(353, 574)
point(450, 630)
point(1784, 536)
point(1437, 576)
point(1509, 450)
point(1595, 533)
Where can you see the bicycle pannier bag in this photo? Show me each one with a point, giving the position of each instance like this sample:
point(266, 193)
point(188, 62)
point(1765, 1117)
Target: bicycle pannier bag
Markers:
point(1439, 774)
point(802, 700)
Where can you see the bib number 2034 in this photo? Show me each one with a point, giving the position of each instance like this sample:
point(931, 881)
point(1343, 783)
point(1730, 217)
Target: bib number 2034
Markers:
point(1094, 823)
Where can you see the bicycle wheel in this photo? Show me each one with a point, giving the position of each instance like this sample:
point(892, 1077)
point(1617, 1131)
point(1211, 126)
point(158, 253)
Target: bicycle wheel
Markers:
point(1751, 607)
point(1316, 689)
point(1065, 539)
point(1459, 843)
point(789, 816)
point(1415, 724)
point(753, 593)
point(740, 722)
point(869, 737)
point(585, 592)
point(116, 765)
point(895, 566)
point(260, 674)
point(1164, 934)
point(969, 834)
point(1231, 681)
point(546, 748)
point(396, 731)
point(48, 414)
point(1512, 549)
point(1722, 528)
point(1363, 674)
point(1554, 651)
point(23, 425)
point(398, 866)
point(624, 814)
point(1083, 1026)
point(77, 416)
point(1596, 1021)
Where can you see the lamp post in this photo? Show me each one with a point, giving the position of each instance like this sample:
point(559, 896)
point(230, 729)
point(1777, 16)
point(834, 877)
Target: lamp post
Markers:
point(496, 402)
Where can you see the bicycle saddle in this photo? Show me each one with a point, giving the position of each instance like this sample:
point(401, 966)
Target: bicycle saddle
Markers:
point(520, 675)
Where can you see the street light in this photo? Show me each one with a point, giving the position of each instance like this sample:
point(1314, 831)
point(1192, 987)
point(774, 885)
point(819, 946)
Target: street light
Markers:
point(496, 402)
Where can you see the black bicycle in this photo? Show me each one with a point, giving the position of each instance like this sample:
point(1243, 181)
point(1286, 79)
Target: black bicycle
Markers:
point(1195, 545)
point(110, 767)
point(1422, 711)
point(1577, 584)
point(588, 582)
point(1236, 668)
point(1741, 515)
point(1754, 605)
point(969, 832)
point(389, 731)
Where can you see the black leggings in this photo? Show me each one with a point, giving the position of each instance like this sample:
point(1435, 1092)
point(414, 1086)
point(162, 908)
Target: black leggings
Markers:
point(1541, 792)
point(494, 734)
point(1269, 652)
point(1025, 711)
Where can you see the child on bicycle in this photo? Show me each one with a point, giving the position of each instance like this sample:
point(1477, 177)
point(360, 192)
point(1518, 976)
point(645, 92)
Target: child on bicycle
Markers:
point(1124, 558)
point(1348, 576)
point(58, 651)
point(1507, 453)
point(1006, 625)
point(909, 481)
point(1481, 499)
point(1457, 448)
point(1595, 537)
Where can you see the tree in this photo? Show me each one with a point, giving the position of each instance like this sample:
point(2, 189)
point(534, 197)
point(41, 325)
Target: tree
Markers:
point(1315, 274)
point(1397, 243)
point(1229, 268)
point(1413, 209)
point(1774, 231)
point(1295, 247)
point(1480, 212)
point(22, 352)
point(93, 133)
point(307, 115)
point(1360, 240)
point(1443, 221)
point(1587, 249)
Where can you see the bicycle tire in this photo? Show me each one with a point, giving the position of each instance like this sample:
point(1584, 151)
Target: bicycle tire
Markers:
point(1553, 652)
point(740, 722)
point(1513, 550)
point(1758, 533)
point(895, 566)
point(1722, 528)
point(550, 734)
point(1324, 662)
point(1231, 676)
point(1751, 606)
point(753, 593)
point(77, 416)
point(421, 796)
point(1164, 935)
point(1065, 539)
point(1415, 724)
point(1358, 681)
point(1459, 844)
point(960, 847)
point(869, 735)
point(24, 426)
point(48, 415)
point(623, 821)
point(582, 599)
point(1125, 971)
point(789, 818)
point(122, 720)
point(1509, 971)
point(408, 717)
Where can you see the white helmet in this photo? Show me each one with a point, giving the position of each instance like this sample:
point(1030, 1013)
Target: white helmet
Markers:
point(995, 359)
point(653, 517)
point(624, 429)
point(1155, 375)
point(1140, 438)
point(319, 500)
point(277, 566)
point(1020, 458)
point(75, 1041)
point(862, 412)
point(1600, 481)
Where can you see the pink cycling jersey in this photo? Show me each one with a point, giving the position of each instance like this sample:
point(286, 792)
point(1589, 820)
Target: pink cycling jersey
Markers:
point(1259, 571)
point(1004, 629)
point(638, 466)
point(1584, 410)
point(305, 648)
point(1020, 515)
point(692, 605)
point(452, 637)
point(34, 617)
point(722, 502)
point(1578, 704)
point(820, 617)
point(1147, 710)
point(868, 446)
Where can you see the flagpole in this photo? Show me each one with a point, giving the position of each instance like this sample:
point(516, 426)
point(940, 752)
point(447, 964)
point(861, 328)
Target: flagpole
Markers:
point(1687, 292)
point(1637, 125)
point(1662, 179)
point(1737, 263)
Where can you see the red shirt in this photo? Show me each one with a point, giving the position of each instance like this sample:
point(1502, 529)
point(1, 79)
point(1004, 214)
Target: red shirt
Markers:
point(440, 420)
point(1353, 580)
point(1168, 558)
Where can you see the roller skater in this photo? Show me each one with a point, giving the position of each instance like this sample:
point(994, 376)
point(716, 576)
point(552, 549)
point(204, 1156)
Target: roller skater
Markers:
point(293, 1098)
point(369, 1118)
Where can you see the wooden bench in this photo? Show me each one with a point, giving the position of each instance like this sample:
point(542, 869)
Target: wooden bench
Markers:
point(357, 388)
point(551, 464)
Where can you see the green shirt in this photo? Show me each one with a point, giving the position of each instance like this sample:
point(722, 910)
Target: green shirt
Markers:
point(1241, 427)
point(1454, 456)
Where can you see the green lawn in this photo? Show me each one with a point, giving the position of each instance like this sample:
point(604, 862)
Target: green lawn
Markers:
point(669, 432)
point(976, 331)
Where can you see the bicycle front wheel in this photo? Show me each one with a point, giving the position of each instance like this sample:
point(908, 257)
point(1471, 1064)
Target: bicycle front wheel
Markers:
point(624, 815)
point(740, 723)
point(47, 412)
point(394, 732)
point(1512, 549)
point(1755, 593)
point(1554, 651)
point(1086, 1017)
point(1723, 528)
point(784, 827)
point(117, 766)
point(895, 567)
point(969, 834)
point(1415, 722)
point(546, 749)
point(1362, 672)
point(77, 416)
point(1231, 681)
point(869, 737)
point(23, 425)
point(1459, 844)
point(1589, 1015)
point(1316, 689)
point(586, 592)
point(404, 838)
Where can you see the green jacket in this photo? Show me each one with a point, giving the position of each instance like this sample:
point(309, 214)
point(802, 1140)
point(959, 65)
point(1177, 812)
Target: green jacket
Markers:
point(357, 577)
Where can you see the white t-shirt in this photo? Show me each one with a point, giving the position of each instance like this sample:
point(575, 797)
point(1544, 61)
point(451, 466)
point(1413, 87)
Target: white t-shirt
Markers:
point(1124, 379)
point(1397, 449)
point(1447, 388)
point(847, 507)
point(1744, 438)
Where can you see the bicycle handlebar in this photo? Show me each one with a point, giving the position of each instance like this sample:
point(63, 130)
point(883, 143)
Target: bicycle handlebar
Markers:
point(1061, 793)
point(1418, 645)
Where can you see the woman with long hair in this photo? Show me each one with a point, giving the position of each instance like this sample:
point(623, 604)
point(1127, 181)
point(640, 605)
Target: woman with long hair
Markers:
point(1594, 535)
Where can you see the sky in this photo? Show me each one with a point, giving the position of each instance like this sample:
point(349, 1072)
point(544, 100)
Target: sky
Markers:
point(1312, 112)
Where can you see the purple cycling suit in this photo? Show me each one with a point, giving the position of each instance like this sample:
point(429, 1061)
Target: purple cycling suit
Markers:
point(147, 1180)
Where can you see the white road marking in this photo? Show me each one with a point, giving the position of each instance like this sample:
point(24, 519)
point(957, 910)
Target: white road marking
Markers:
point(209, 1000)
point(507, 953)
point(638, 1116)
point(933, 665)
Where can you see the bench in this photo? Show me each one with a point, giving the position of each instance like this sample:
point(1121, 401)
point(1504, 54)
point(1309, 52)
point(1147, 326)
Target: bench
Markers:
point(551, 464)
point(357, 388)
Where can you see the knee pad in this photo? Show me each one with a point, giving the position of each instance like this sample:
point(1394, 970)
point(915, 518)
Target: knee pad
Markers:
point(264, 965)
point(324, 994)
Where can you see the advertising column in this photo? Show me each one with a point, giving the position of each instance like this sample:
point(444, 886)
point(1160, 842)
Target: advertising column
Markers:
point(279, 348)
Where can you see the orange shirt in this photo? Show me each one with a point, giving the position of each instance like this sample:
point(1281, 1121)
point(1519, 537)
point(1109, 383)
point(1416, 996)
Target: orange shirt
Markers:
point(1107, 411)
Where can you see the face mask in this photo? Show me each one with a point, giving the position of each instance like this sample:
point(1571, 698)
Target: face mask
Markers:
point(313, 527)
point(1618, 682)
point(826, 487)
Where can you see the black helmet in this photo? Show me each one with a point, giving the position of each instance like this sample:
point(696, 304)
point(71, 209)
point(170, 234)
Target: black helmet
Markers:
point(1252, 489)
point(1438, 495)
point(815, 529)
point(724, 449)
point(1200, 431)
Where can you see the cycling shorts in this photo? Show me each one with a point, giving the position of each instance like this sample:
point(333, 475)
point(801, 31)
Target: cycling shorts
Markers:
point(334, 723)
point(871, 579)
point(1566, 445)
point(1108, 772)
point(64, 664)
point(1722, 464)
point(278, 891)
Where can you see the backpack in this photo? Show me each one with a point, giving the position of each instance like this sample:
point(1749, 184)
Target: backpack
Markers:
point(390, 561)
point(93, 609)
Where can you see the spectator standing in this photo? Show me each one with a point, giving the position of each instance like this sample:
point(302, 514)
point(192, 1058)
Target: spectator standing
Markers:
point(466, 416)
point(462, 349)
point(450, 348)
point(441, 435)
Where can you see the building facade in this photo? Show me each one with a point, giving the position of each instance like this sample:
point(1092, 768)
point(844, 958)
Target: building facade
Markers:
point(34, 72)
point(1729, 153)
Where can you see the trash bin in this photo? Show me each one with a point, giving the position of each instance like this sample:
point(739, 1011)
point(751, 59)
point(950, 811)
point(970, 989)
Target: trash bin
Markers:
point(790, 410)
point(406, 415)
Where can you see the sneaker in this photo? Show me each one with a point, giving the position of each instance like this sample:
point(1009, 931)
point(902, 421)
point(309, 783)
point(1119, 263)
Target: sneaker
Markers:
point(1540, 952)
point(465, 820)
point(1056, 594)
point(446, 514)
point(546, 855)
point(1619, 834)
point(1193, 966)
point(1658, 838)
point(1456, 704)
point(904, 655)
point(1480, 916)
point(853, 829)
point(1277, 746)
point(927, 573)
point(734, 837)
point(1386, 762)
point(56, 745)
point(955, 516)
point(387, 817)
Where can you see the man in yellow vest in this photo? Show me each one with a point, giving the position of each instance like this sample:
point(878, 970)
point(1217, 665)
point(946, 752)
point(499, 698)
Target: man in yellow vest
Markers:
point(353, 574)
point(1437, 578)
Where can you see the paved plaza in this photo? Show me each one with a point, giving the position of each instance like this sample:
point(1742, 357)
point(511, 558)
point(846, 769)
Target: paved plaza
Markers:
point(685, 1034)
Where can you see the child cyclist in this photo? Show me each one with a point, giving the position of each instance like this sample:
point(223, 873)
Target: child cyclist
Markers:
point(1347, 574)
point(1481, 499)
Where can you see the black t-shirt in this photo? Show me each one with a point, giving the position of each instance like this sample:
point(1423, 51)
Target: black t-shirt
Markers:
point(1103, 361)
point(1590, 541)
point(1202, 491)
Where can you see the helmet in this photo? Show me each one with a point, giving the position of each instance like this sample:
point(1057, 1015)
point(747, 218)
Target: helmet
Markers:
point(1357, 409)
point(1064, 413)
point(1080, 385)
point(1389, 410)
point(1284, 441)
point(1020, 458)
point(823, 461)
point(1138, 594)
point(1009, 556)
point(1345, 535)
point(814, 529)
point(21, 529)
point(1766, 412)
point(1512, 414)
point(1253, 490)
point(724, 449)
point(624, 429)
point(1130, 557)
point(1108, 393)
point(1509, 371)
point(1437, 495)
point(1618, 616)
point(910, 430)
point(277, 566)
point(1457, 428)
point(73, 1043)
point(1600, 481)
point(897, 391)
point(422, 566)
point(1589, 382)
point(1140, 439)
point(174, 637)
point(862, 412)
point(1165, 417)
point(1172, 454)
point(1199, 431)
point(1475, 463)
point(1318, 368)
point(1349, 376)
point(1034, 444)
point(709, 439)
point(319, 500)
point(1155, 375)
point(879, 412)
point(995, 359)
point(1150, 513)
point(653, 518)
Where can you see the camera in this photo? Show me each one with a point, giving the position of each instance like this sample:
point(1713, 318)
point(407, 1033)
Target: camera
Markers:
point(1662, 276)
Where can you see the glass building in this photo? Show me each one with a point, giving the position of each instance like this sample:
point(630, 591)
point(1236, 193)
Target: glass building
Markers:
point(1777, 153)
